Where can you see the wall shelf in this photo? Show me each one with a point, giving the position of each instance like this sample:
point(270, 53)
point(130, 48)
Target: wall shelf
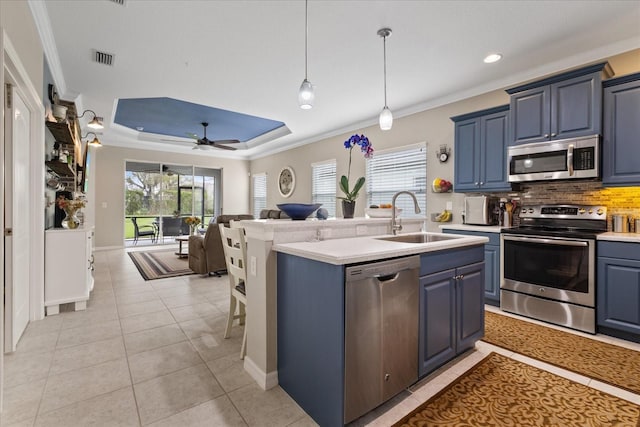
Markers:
point(61, 169)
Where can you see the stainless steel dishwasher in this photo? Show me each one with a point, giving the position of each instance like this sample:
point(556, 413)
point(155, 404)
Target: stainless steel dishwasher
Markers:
point(381, 332)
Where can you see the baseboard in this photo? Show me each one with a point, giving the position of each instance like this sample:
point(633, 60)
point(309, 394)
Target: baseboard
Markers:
point(264, 380)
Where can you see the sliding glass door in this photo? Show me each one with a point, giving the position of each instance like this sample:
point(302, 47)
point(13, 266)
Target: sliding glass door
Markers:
point(160, 196)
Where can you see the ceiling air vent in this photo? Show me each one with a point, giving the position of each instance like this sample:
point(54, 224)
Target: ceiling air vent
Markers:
point(120, 2)
point(103, 57)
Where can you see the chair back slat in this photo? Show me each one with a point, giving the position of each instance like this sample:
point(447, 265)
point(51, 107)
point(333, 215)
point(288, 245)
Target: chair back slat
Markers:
point(235, 253)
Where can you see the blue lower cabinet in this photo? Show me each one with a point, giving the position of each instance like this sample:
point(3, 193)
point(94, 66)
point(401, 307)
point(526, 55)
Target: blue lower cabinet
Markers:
point(618, 290)
point(310, 300)
point(451, 306)
point(491, 264)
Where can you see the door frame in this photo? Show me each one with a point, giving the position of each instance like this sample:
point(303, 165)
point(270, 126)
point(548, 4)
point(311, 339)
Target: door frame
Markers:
point(13, 71)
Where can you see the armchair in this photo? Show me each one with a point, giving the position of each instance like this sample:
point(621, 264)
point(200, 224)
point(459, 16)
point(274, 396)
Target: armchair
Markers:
point(206, 254)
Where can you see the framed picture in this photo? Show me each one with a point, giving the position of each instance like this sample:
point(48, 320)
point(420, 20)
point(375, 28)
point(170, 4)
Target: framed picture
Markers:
point(286, 182)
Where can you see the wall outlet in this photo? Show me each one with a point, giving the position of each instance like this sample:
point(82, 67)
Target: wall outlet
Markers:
point(449, 206)
point(361, 230)
point(104, 205)
point(252, 265)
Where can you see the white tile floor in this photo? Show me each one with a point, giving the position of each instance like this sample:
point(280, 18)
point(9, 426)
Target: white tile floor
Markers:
point(153, 353)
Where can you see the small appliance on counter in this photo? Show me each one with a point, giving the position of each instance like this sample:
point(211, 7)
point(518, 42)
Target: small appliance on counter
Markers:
point(620, 223)
point(481, 210)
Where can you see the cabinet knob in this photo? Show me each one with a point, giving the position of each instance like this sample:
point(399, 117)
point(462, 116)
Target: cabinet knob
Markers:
point(553, 134)
point(477, 183)
point(546, 135)
point(481, 183)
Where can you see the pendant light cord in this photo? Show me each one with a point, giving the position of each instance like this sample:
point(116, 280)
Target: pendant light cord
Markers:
point(306, 36)
point(384, 54)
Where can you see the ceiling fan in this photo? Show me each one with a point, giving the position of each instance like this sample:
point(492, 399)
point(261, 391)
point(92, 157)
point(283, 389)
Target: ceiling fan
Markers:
point(205, 143)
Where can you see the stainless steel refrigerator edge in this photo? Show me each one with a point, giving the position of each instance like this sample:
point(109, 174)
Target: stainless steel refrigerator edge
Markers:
point(381, 332)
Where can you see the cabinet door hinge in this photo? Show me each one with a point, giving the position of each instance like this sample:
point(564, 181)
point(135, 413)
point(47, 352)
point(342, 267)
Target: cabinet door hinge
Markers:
point(7, 96)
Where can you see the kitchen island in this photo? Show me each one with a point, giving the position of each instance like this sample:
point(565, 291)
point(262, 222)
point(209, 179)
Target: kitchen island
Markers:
point(261, 359)
point(328, 365)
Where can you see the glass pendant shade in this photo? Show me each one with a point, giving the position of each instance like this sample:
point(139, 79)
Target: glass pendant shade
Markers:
point(306, 95)
point(386, 118)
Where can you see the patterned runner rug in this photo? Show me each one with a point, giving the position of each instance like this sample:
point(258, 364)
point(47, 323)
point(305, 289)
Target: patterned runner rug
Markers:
point(609, 363)
point(160, 264)
point(499, 391)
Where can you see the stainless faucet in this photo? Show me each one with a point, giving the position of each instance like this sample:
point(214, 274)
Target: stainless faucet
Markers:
point(398, 227)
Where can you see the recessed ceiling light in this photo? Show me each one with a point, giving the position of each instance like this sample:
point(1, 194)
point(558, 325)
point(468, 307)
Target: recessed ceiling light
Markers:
point(492, 57)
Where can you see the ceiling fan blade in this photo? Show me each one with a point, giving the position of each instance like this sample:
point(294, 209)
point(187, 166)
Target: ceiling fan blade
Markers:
point(226, 141)
point(224, 147)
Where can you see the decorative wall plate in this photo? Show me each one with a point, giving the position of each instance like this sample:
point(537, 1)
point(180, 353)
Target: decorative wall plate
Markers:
point(286, 182)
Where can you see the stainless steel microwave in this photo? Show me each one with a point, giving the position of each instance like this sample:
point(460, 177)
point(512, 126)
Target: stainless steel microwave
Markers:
point(562, 159)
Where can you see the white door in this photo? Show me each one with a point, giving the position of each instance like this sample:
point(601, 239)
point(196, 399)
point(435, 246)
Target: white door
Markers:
point(16, 217)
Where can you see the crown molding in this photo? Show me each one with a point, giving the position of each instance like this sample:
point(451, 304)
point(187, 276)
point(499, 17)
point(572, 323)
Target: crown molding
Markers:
point(41, 19)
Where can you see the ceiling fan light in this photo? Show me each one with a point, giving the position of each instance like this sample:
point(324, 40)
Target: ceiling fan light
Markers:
point(386, 118)
point(306, 96)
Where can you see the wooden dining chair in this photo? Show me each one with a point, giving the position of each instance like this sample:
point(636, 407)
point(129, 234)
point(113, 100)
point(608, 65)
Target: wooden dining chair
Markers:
point(235, 254)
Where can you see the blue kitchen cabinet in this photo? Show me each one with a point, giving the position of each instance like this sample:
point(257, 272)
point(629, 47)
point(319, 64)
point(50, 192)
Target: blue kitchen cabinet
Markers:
point(481, 150)
point(491, 263)
point(618, 289)
point(451, 305)
point(621, 131)
point(563, 106)
point(310, 315)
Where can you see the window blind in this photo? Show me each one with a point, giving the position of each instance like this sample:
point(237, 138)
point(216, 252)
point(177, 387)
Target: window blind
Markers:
point(259, 193)
point(323, 182)
point(404, 169)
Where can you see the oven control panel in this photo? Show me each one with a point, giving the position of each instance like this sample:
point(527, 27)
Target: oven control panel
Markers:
point(564, 212)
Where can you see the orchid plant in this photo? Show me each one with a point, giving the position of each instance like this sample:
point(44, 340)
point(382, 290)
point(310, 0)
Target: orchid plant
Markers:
point(366, 148)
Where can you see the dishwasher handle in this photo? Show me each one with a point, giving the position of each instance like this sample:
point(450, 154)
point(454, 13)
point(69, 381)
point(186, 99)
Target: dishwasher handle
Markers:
point(387, 277)
point(381, 270)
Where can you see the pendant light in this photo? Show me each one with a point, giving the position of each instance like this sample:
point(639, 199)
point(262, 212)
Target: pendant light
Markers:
point(305, 94)
point(386, 118)
point(96, 122)
point(95, 142)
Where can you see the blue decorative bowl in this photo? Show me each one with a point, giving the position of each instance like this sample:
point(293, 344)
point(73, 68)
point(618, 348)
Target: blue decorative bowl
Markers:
point(298, 211)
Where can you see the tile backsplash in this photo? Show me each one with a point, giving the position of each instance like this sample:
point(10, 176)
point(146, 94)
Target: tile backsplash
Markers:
point(618, 200)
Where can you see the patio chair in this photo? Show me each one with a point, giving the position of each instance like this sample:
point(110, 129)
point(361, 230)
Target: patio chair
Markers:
point(144, 230)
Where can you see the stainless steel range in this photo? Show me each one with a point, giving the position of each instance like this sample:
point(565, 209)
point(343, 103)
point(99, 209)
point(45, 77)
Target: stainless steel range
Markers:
point(548, 264)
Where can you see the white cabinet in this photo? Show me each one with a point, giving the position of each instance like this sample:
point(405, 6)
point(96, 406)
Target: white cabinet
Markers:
point(68, 268)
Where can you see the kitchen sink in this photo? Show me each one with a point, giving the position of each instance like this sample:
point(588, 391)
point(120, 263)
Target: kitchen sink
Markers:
point(419, 238)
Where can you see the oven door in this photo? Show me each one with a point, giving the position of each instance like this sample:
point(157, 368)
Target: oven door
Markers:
point(555, 268)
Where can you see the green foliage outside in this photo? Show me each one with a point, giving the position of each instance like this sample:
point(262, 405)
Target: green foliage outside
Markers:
point(153, 194)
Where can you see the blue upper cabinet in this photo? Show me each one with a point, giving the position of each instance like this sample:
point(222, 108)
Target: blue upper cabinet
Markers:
point(621, 131)
point(481, 150)
point(563, 106)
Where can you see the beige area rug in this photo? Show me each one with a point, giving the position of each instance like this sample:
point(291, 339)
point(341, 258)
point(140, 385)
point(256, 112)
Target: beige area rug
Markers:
point(609, 363)
point(500, 391)
point(160, 264)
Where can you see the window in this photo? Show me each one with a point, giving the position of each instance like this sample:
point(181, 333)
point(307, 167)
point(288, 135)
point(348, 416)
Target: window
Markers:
point(323, 183)
point(403, 169)
point(259, 193)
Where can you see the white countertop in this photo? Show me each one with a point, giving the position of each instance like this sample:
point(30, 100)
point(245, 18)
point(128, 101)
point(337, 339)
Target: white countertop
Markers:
point(469, 227)
point(363, 249)
point(620, 237)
